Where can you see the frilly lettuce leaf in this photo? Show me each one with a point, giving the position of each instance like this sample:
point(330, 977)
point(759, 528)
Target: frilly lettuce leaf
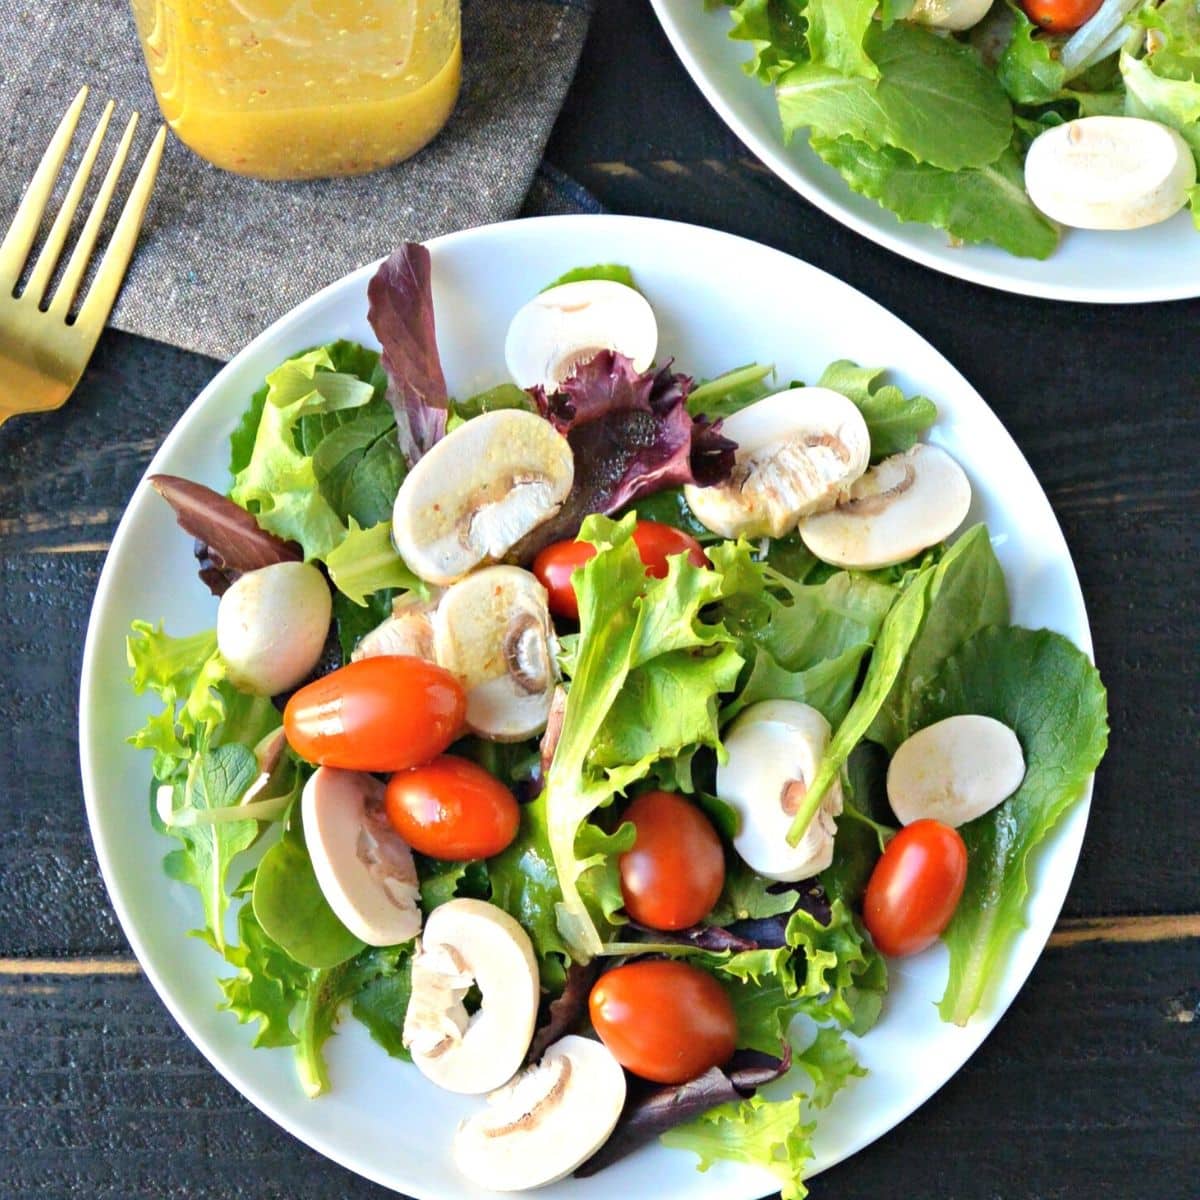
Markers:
point(1170, 101)
point(836, 30)
point(775, 30)
point(365, 562)
point(894, 420)
point(631, 627)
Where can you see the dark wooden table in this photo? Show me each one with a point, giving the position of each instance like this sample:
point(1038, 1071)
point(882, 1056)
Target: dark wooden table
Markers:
point(1091, 1084)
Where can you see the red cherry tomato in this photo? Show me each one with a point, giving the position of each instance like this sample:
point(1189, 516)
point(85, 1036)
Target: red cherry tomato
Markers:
point(1060, 16)
point(673, 875)
point(655, 542)
point(452, 808)
point(664, 1020)
point(378, 714)
point(915, 887)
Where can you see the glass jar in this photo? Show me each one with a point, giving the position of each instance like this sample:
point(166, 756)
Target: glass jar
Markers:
point(302, 89)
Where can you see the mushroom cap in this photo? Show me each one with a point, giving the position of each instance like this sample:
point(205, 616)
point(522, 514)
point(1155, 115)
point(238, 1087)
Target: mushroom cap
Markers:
point(798, 451)
point(1109, 172)
point(480, 490)
point(365, 869)
point(271, 627)
point(774, 749)
point(408, 632)
point(901, 506)
point(493, 631)
point(570, 324)
point(471, 942)
point(954, 770)
point(954, 15)
point(547, 1121)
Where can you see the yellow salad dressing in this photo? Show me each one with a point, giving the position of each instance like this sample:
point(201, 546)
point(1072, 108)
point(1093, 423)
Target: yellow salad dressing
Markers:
point(300, 89)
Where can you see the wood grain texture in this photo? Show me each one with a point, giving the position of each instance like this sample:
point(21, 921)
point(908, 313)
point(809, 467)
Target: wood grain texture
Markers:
point(112, 1102)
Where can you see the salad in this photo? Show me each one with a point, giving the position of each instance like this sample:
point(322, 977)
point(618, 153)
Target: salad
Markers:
point(997, 122)
point(597, 739)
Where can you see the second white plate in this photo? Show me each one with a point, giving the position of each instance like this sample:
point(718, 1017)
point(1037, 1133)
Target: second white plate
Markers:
point(1158, 263)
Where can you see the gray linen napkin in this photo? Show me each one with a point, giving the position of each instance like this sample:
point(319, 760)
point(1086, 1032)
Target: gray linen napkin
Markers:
point(222, 256)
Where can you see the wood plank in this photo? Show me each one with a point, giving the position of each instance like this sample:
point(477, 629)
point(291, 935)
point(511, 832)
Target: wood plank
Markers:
point(1089, 1082)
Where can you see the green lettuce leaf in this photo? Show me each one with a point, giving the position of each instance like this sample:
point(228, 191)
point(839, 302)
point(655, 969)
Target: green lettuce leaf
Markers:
point(292, 910)
point(934, 99)
point(613, 272)
point(732, 391)
point(895, 421)
point(775, 29)
point(836, 30)
point(983, 204)
point(365, 562)
point(1047, 691)
point(896, 636)
point(1029, 68)
point(503, 395)
point(966, 593)
point(1176, 45)
point(358, 464)
point(1172, 102)
point(279, 483)
point(745, 897)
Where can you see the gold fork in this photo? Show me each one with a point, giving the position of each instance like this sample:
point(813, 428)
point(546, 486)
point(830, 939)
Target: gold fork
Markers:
point(42, 355)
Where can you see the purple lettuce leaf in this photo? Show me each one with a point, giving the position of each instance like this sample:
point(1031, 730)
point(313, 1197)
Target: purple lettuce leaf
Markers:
point(651, 1110)
point(400, 309)
point(566, 1012)
point(631, 435)
point(229, 541)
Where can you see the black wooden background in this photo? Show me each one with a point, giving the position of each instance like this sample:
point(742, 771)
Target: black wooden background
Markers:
point(1089, 1087)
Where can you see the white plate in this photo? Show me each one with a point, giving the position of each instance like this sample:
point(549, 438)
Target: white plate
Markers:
point(721, 301)
point(1158, 263)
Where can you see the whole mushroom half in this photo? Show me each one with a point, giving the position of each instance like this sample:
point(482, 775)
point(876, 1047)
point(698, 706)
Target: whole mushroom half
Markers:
point(365, 869)
point(493, 631)
point(271, 626)
point(570, 324)
point(548, 1120)
point(407, 632)
point(471, 943)
point(955, 770)
point(900, 507)
point(774, 749)
point(480, 490)
point(798, 452)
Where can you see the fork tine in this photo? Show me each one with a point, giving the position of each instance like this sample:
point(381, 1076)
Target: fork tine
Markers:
point(78, 262)
point(95, 309)
point(23, 230)
point(48, 259)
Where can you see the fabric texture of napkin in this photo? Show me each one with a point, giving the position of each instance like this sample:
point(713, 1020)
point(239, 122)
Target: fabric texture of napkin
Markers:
point(221, 256)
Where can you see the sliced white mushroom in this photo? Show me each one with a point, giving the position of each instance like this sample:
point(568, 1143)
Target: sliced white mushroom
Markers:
point(570, 324)
point(954, 15)
point(900, 507)
point(408, 631)
point(271, 626)
point(470, 942)
point(364, 867)
point(1109, 172)
point(493, 631)
point(546, 1122)
point(775, 748)
point(955, 770)
point(798, 452)
point(479, 491)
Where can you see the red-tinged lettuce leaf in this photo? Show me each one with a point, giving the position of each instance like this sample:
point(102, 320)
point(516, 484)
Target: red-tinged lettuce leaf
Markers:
point(229, 541)
point(400, 309)
point(631, 435)
point(566, 1012)
point(649, 1112)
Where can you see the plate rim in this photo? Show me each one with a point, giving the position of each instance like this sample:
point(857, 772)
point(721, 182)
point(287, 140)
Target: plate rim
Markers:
point(774, 157)
point(329, 1148)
